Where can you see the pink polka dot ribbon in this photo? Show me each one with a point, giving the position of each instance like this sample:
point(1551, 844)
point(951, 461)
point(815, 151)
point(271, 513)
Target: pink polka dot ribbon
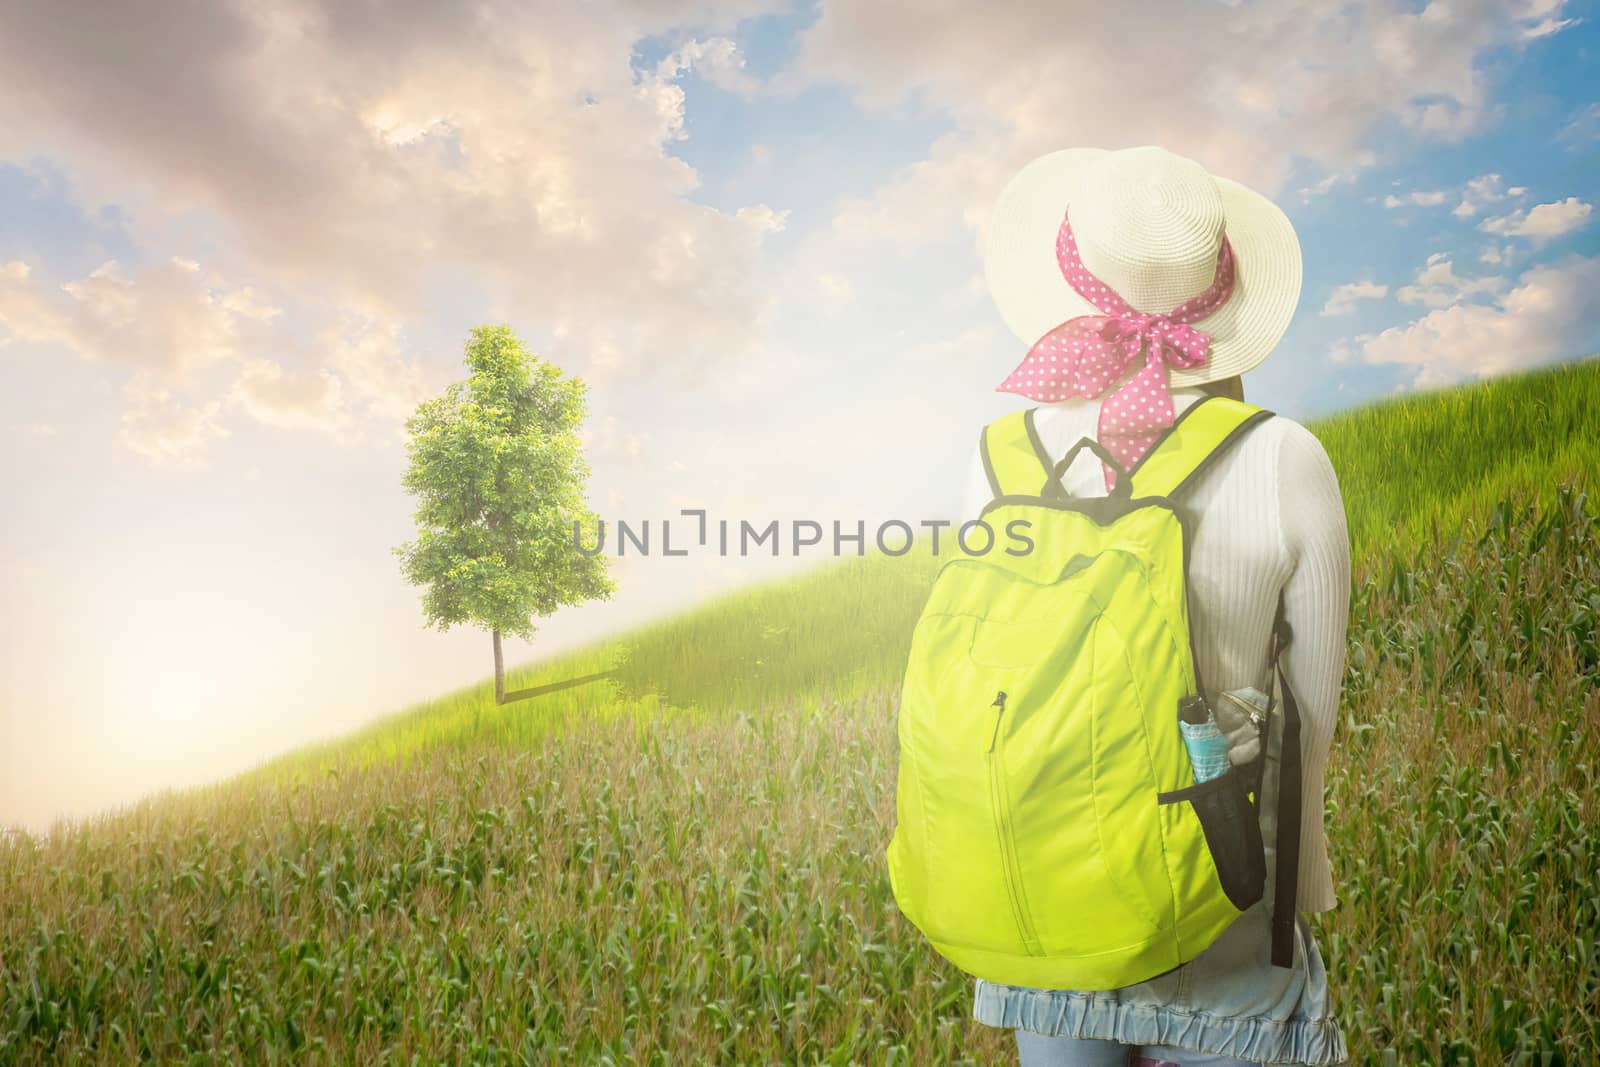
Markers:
point(1086, 355)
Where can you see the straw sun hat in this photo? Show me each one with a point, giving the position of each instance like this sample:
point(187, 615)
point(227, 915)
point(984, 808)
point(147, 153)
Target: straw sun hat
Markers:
point(1149, 225)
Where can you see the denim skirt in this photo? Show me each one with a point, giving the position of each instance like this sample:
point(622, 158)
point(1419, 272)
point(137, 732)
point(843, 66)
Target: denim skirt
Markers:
point(1229, 1000)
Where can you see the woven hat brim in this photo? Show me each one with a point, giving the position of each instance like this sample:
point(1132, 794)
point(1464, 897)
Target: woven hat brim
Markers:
point(1033, 297)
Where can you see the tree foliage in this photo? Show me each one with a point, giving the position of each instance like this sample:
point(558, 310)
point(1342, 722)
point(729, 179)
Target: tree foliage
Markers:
point(499, 475)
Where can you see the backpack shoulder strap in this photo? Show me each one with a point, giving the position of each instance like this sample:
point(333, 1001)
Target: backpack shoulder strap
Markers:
point(1014, 457)
point(1199, 434)
point(1285, 890)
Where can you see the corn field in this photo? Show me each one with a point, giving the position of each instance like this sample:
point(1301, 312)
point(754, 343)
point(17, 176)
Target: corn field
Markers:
point(684, 864)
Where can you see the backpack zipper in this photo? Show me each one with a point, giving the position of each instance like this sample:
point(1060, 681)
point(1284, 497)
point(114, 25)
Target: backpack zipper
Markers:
point(1002, 826)
point(999, 707)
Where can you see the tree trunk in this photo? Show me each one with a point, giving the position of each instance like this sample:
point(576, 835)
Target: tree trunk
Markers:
point(499, 670)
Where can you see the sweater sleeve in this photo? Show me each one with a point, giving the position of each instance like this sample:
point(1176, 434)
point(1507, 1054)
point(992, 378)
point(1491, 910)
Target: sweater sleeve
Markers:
point(1316, 605)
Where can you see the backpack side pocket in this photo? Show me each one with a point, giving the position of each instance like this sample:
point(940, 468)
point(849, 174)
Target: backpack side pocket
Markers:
point(1232, 834)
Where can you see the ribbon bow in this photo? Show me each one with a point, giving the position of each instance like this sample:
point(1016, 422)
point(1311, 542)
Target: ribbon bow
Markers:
point(1086, 354)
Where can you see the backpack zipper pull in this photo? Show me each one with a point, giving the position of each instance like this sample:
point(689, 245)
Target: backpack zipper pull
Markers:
point(999, 707)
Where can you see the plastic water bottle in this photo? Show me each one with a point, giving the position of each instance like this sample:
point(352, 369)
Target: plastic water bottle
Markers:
point(1208, 748)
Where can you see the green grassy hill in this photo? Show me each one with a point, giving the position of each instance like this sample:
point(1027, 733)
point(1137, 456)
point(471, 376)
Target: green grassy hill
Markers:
point(685, 863)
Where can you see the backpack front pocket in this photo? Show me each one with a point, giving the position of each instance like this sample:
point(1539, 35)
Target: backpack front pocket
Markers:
point(1080, 769)
point(952, 857)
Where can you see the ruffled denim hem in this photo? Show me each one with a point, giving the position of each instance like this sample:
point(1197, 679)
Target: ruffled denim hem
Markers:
point(1074, 1014)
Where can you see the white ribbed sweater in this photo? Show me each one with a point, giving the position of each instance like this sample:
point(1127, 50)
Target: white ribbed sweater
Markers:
point(1270, 518)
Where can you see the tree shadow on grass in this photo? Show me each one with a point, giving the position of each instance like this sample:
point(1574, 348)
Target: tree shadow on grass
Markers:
point(555, 687)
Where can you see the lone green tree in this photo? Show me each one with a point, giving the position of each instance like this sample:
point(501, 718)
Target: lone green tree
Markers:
point(500, 478)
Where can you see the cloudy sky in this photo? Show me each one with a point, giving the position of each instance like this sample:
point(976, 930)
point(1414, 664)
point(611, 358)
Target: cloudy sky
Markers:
point(240, 241)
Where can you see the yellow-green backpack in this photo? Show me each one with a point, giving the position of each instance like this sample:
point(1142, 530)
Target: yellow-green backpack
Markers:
point(1049, 831)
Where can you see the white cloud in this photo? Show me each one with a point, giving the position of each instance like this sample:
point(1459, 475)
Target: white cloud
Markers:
point(1549, 315)
point(1022, 79)
point(170, 318)
point(367, 356)
point(1546, 27)
point(1342, 301)
point(1481, 191)
point(312, 399)
point(1583, 129)
point(350, 158)
point(1543, 222)
point(1347, 175)
point(716, 59)
point(167, 322)
point(1421, 198)
point(927, 199)
point(1438, 284)
point(1496, 255)
point(174, 323)
point(762, 218)
point(165, 430)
